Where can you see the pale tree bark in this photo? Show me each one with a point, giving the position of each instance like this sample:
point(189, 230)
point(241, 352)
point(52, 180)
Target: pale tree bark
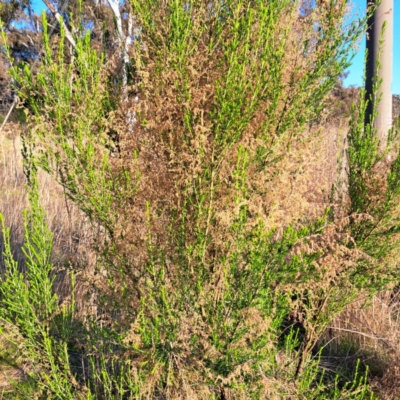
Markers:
point(382, 17)
point(125, 41)
point(58, 17)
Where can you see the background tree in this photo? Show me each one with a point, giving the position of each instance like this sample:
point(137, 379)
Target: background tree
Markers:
point(23, 32)
point(110, 23)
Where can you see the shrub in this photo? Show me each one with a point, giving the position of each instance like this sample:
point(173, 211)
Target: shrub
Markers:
point(199, 293)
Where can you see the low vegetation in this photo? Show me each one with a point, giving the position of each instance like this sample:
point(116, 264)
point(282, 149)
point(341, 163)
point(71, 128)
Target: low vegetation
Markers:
point(201, 226)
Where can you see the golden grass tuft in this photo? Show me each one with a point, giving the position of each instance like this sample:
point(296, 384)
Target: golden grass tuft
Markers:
point(370, 332)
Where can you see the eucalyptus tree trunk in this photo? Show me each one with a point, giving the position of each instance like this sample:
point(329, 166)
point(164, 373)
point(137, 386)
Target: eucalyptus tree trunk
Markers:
point(381, 19)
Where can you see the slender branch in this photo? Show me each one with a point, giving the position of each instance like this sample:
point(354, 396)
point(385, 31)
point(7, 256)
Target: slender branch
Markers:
point(60, 20)
point(115, 9)
point(9, 113)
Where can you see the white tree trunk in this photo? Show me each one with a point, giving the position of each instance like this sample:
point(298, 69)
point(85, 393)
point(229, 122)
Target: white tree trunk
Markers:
point(383, 15)
point(125, 41)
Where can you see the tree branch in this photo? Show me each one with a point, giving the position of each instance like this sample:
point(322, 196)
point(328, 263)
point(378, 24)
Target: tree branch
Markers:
point(60, 20)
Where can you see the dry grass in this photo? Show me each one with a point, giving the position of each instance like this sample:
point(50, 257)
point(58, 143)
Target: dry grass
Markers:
point(369, 332)
point(70, 228)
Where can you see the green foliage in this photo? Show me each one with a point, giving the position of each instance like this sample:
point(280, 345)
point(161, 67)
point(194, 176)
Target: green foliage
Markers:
point(205, 299)
point(71, 105)
point(374, 185)
point(29, 303)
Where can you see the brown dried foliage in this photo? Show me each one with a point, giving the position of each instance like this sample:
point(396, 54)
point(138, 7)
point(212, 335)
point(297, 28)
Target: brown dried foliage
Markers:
point(173, 159)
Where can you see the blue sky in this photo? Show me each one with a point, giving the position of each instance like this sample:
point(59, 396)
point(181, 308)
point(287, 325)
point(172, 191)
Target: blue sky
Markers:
point(355, 76)
point(38, 6)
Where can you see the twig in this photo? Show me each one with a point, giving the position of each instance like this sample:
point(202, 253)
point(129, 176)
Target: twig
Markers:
point(9, 113)
point(376, 337)
point(60, 20)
